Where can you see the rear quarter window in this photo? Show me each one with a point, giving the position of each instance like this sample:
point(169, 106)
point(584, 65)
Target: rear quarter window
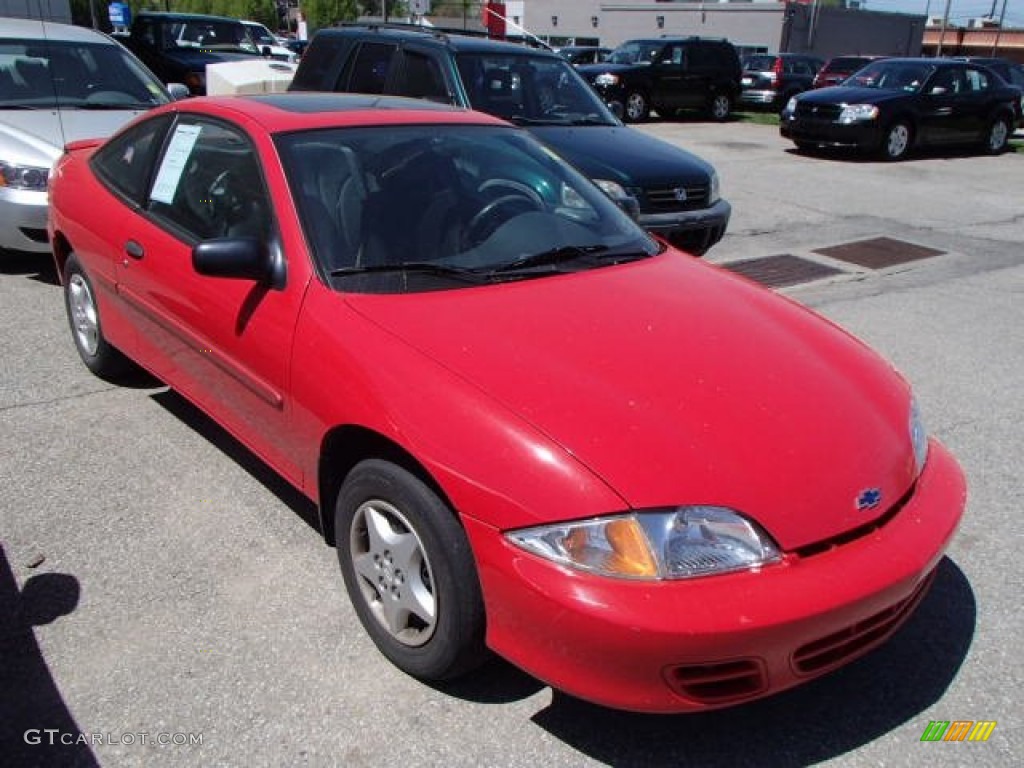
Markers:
point(317, 62)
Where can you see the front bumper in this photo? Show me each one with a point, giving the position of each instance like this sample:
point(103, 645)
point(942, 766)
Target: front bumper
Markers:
point(23, 220)
point(865, 135)
point(677, 646)
point(694, 231)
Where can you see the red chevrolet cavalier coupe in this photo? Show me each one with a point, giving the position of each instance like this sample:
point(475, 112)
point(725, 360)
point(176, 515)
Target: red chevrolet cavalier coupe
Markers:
point(529, 426)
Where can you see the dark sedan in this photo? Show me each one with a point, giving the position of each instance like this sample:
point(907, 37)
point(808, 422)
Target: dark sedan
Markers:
point(893, 106)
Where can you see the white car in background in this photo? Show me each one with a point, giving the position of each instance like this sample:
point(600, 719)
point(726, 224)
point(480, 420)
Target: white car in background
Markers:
point(58, 84)
point(268, 43)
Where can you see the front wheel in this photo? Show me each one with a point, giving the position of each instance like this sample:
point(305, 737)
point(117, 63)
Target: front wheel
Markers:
point(409, 572)
point(998, 136)
point(637, 107)
point(96, 352)
point(897, 140)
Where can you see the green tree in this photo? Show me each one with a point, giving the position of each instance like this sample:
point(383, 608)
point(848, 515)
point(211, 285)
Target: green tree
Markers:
point(324, 13)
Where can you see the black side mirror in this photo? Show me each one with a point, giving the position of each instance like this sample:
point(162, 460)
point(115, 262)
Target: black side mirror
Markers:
point(266, 52)
point(238, 258)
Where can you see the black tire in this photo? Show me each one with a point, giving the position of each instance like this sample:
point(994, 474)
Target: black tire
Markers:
point(403, 551)
point(997, 139)
point(636, 108)
point(99, 356)
point(720, 107)
point(897, 140)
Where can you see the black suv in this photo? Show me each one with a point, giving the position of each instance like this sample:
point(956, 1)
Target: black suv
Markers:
point(772, 79)
point(669, 74)
point(672, 192)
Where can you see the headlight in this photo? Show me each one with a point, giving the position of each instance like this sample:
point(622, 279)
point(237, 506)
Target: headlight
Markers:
point(853, 113)
point(918, 437)
point(713, 191)
point(606, 78)
point(23, 176)
point(679, 543)
point(790, 107)
point(613, 189)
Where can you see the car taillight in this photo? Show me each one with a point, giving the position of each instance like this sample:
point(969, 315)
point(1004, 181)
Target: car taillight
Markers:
point(777, 72)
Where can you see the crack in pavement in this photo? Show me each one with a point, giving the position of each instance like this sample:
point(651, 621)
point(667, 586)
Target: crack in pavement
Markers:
point(78, 396)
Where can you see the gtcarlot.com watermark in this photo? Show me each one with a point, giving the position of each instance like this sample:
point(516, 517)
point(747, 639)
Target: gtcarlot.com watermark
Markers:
point(54, 736)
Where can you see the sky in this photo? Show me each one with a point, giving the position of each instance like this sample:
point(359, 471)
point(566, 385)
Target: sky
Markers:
point(959, 12)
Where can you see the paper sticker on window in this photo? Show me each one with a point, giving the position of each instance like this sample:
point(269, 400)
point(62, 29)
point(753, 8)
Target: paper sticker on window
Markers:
point(178, 151)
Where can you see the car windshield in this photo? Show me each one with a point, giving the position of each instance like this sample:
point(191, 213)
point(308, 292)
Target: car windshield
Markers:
point(428, 207)
point(897, 75)
point(41, 74)
point(634, 53)
point(209, 35)
point(530, 90)
point(260, 34)
point(845, 65)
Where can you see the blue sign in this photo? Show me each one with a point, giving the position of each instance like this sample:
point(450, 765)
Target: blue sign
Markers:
point(120, 14)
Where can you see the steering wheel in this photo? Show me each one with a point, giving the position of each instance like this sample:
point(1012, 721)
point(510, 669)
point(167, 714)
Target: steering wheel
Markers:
point(496, 212)
point(514, 186)
point(222, 203)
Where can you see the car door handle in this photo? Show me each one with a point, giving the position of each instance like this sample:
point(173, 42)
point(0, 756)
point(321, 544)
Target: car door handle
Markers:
point(134, 249)
point(944, 111)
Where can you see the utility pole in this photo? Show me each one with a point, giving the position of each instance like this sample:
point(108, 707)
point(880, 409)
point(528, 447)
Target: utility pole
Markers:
point(999, 29)
point(942, 32)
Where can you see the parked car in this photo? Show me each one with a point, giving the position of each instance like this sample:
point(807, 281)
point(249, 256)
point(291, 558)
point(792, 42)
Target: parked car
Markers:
point(268, 45)
point(669, 74)
point(58, 83)
point(895, 105)
point(1011, 71)
point(178, 46)
point(529, 426)
point(584, 54)
point(676, 193)
point(839, 68)
point(771, 80)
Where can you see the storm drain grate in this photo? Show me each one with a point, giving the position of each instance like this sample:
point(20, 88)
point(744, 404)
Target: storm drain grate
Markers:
point(781, 270)
point(878, 252)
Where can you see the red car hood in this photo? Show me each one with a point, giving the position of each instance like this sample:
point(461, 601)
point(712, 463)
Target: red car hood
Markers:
point(678, 384)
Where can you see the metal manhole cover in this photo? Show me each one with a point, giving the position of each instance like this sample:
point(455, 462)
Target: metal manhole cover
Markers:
point(878, 252)
point(781, 270)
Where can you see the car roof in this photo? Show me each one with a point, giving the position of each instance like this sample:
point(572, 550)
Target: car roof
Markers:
point(34, 29)
point(307, 110)
point(173, 16)
point(454, 41)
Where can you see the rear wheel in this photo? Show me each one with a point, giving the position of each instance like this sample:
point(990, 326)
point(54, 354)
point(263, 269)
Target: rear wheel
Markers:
point(720, 107)
point(409, 572)
point(998, 135)
point(637, 108)
point(897, 140)
point(83, 311)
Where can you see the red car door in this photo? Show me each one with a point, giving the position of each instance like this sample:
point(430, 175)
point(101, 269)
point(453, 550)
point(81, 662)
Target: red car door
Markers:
point(223, 343)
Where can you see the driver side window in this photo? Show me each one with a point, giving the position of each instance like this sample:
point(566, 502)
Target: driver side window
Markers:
point(209, 184)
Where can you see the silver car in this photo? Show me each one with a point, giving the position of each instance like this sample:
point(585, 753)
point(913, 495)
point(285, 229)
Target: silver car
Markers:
point(58, 84)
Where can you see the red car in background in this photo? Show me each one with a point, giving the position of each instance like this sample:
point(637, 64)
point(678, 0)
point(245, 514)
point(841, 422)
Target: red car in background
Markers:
point(839, 68)
point(529, 426)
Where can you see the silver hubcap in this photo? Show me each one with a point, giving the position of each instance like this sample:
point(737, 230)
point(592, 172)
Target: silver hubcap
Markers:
point(997, 138)
point(635, 105)
point(84, 318)
point(393, 572)
point(720, 107)
point(899, 137)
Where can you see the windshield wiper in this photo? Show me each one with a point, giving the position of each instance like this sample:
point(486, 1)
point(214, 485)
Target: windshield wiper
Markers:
point(551, 257)
point(591, 255)
point(422, 267)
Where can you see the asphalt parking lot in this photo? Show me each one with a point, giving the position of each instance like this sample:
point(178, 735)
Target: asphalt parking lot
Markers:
point(157, 581)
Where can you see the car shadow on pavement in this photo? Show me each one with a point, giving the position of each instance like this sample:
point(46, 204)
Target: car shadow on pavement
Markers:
point(35, 266)
point(815, 722)
point(34, 720)
point(181, 408)
point(852, 156)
